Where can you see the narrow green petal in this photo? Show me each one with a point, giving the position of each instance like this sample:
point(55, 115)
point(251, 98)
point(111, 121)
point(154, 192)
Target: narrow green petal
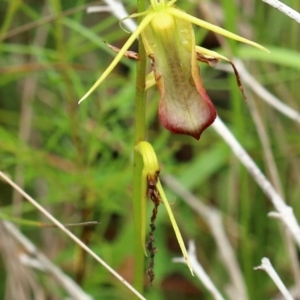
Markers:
point(182, 15)
point(118, 57)
point(174, 224)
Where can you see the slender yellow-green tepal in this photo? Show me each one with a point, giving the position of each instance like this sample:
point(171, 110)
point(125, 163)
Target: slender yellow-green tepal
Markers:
point(118, 57)
point(191, 19)
point(174, 225)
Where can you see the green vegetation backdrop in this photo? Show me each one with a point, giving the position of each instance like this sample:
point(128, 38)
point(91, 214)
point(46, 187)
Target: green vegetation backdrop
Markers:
point(76, 161)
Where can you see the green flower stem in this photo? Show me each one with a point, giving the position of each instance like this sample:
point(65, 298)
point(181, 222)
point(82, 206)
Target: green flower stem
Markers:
point(140, 135)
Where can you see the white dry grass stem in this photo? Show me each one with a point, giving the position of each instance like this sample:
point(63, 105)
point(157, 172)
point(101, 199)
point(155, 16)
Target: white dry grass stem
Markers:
point(284, 212)
point(118, 10)
point(291, 13)
point(97, 9)
point(34, 258)
point(70, 234)
point(200, 272)
point(237, 287)
point(293, 290)
point(19, 282)
point(275, 179)
point(268, 268)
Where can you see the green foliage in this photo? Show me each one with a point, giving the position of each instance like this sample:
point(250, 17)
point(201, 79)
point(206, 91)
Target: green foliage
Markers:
point(77, 160)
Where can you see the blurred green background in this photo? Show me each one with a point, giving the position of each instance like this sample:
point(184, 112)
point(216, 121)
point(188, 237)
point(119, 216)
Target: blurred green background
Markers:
point(76, 161)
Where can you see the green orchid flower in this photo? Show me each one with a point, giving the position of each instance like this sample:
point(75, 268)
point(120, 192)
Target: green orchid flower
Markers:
point(168, 37)
point(151, 185)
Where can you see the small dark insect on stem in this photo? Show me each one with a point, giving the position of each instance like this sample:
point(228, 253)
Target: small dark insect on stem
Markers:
point(153, 194)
